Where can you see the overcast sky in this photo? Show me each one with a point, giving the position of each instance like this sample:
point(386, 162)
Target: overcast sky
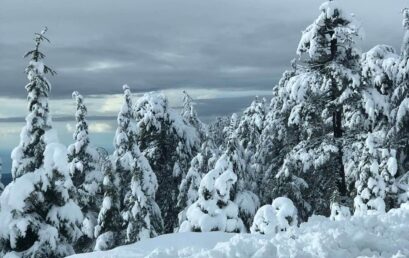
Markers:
point(224, 52)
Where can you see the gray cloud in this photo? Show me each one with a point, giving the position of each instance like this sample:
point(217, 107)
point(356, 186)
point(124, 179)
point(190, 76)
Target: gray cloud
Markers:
point(99, 45)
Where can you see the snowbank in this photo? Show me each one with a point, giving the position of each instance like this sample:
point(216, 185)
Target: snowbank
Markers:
point(382, 235)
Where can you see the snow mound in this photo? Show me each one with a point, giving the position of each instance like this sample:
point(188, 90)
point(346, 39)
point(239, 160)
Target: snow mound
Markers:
point(380, 235)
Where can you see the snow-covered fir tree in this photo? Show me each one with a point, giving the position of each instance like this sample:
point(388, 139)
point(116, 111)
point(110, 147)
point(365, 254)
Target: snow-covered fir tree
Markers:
point(169, 143)
point(275, 218)
point(86, 177)
point(110, 225)
point(400, 103)
point(311, 100)
point(248, 133)
point(199, 166)
point(377, 169)
point(141, 213)
point(138, 183)
point(189, 113)
point(42, 220)
point(214, 210)
point(276, 139)
point(29, 154)
point(333, 66)
point(387, 107)
point(242, 191)
point(216, 130)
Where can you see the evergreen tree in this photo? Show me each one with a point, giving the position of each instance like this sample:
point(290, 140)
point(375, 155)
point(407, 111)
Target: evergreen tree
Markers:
point(199, 166)
point(138, 183)
point(87, 179)
point(306, 115)
point(107, 232)
point(333, 62)
point(42, 220)
point(29, 154)
point(189, 113)
point(242, 191)
point(216, 130)
point(214, 210)
point(248, 133)
point(276, 139)
point(169, 144)
point(398, 134)
point(375, 185)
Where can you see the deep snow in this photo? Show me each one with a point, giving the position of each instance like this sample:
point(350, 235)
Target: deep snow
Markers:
point(373, 235)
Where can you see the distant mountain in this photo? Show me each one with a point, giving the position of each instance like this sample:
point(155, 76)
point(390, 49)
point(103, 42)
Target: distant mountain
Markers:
point(5, 179)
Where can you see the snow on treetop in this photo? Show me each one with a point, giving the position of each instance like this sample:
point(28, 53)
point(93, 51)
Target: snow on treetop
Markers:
point(344, 28)
point(284, 207)
point(153, 107)
point(331, 9)
point(75, 94)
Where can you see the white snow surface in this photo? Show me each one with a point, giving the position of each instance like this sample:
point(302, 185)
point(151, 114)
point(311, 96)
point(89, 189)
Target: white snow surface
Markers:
point(376, 235)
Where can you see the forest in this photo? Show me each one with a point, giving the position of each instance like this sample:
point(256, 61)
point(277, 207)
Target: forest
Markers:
point(333, 140)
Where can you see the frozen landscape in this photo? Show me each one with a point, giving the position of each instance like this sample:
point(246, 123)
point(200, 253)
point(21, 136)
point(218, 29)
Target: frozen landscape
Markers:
point(318, 167)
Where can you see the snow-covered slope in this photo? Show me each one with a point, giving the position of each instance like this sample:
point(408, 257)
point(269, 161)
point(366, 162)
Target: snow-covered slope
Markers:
point(381, 235)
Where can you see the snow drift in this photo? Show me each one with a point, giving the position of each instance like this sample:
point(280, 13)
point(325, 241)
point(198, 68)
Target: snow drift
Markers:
point(376, 235)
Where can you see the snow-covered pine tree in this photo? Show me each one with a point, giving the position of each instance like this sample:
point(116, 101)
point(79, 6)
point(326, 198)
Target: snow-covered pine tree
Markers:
point(189, 113)
point(29, 154)
point(275, 218)
point(231, 128)
point(169, 144)
point(87, 179)
point(377, 169)
point(399, 133)
point(277, 138)
point(110, 224)
point(42, 220)
point(387, 73)
point(242, 191)
point(214, 210)
point(199, 166)
point(333, 61)
point(251, 124)
point(310, 100)
point(138, 183)
point(216, 130)
point(141, 213)
point(248, 133)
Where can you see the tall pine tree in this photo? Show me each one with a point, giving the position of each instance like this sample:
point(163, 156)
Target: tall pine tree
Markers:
point(86, 177)
point(42, 220)
point(142, 217)
point(169, 143)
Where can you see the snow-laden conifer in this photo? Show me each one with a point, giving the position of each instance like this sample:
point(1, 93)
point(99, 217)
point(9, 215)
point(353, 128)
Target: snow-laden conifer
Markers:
point(214, 210)
point(189, 113)
point(29, 154)
point(86, 177)
point(248, 133)
point(39, 217)
point(202, 163)
point(169, 143)
point(242, 191)
point(216, 130)
point(109, 230)
point(375, 186)
point(275, 218)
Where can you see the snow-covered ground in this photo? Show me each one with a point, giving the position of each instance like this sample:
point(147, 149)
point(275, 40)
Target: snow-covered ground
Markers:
point(376, 235)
